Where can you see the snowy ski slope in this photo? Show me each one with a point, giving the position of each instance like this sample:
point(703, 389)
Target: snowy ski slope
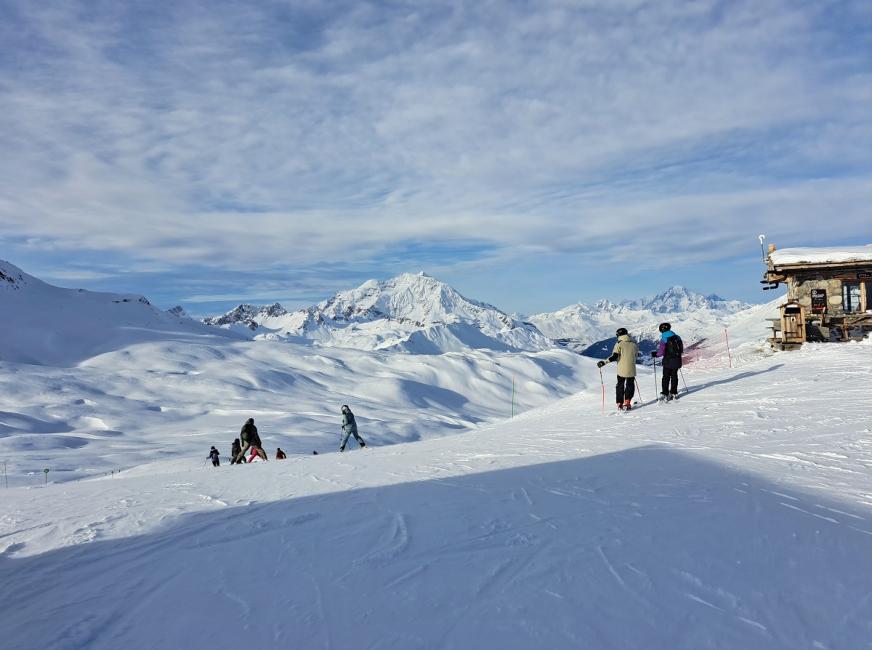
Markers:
point(738, 517)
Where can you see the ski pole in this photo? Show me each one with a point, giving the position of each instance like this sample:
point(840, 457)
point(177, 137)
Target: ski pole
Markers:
point(638, 389)
point(603, 384)
point(655, 376)
point(682, 381)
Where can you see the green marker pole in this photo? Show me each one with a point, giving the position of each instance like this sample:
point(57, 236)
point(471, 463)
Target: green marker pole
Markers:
point(513, 396)
point(45, 471)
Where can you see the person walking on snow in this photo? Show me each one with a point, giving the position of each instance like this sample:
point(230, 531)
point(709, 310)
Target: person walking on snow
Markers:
point(625, 354)
point(349, 428)
point(250, 439)
point(215, 455)
point(671, 348)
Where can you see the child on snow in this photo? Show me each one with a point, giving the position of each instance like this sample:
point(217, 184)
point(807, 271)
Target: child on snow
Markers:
point(235, 450)
point(215, 455)
point(280, 455)
point(254, 455)
point(624, 353)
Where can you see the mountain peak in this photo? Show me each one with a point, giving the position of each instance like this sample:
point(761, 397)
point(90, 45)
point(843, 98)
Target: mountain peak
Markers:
point(676, 298)
point(248, 315)
point(412, 312)
point(409, 297)
point(11, 277)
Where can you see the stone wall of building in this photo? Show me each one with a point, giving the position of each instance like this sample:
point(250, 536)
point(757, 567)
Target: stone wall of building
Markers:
point(800, 291)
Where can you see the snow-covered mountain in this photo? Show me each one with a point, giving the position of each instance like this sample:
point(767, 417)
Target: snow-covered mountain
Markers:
point(591, 328)
point(410, 313)
point(48, 325)
point(91, 382)
point(249, 316)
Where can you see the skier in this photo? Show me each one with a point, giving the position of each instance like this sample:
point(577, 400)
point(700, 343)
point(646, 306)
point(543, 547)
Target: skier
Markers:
point(235, 450)
point(250, 439)
point(349, 428)
point(625, 354)
point(215, 455)
point(280, 455)
point(671, 348)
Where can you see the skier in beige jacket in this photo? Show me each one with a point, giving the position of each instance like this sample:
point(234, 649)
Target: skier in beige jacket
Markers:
point(625, 353)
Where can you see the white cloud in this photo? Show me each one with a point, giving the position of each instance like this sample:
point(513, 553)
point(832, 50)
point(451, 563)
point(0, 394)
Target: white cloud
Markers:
point(227, 133)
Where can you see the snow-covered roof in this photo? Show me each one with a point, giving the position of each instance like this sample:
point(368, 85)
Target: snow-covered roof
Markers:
point(834, 255)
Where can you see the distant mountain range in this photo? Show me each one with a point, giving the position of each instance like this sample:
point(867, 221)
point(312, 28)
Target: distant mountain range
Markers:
point(591, 328)
point(411, 313)
point(419, 314)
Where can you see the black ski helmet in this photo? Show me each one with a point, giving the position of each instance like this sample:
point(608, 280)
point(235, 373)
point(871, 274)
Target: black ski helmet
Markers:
point(664, 327)
point(622, 331)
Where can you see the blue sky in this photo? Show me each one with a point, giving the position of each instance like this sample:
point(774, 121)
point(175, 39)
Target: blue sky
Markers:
point(531, 154)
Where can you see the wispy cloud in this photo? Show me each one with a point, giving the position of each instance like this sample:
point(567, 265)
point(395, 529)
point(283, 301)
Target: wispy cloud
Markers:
point(255, 134)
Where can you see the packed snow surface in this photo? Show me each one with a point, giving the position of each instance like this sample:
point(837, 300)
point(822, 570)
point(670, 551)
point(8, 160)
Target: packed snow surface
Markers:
point(821, 255)
point(738, 517)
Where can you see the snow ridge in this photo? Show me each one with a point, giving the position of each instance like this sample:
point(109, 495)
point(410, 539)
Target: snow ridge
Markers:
point(52, 326)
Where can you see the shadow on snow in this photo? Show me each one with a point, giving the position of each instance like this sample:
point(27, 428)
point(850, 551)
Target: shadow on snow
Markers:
point(647, 547)
point(727, 380)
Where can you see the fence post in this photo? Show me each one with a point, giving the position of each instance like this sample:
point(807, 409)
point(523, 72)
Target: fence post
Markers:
point(729, 354)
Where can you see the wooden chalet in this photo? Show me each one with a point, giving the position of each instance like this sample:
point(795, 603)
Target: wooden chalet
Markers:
point(829, 293)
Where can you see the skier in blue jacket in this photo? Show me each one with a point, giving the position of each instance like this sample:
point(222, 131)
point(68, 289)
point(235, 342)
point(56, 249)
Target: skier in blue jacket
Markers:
point(670, 349)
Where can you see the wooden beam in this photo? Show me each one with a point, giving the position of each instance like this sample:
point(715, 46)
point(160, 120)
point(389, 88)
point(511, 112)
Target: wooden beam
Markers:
point(820, 266)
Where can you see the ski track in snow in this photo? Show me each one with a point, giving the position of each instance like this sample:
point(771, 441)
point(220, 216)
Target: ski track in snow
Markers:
point(559, 528)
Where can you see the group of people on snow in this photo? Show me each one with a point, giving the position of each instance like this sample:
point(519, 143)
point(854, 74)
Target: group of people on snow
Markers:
point(670, 348)
point(249, 439)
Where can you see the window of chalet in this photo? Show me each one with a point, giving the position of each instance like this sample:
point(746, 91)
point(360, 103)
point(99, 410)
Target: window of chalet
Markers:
point(850, 297)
